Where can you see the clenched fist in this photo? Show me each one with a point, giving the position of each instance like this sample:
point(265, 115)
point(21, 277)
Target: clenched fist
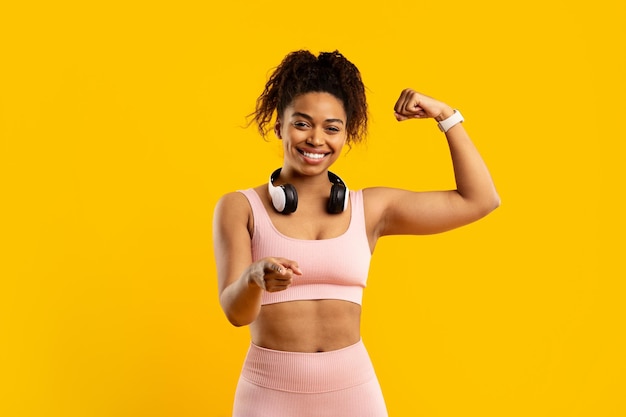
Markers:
point(414, 105)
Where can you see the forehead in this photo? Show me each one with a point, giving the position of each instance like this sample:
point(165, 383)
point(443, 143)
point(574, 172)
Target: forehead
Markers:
point(316, 104)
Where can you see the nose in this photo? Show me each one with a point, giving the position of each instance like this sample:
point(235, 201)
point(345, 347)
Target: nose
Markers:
point(317, 137)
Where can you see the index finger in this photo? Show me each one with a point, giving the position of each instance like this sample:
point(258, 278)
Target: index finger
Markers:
point(292, 265)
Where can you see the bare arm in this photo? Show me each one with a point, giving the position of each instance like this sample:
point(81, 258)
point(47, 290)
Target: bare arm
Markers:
point(241, 281)
point(408, 212)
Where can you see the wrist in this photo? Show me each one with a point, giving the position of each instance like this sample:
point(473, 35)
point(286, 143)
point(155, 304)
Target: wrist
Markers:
point(446, 112)
point(254, 277)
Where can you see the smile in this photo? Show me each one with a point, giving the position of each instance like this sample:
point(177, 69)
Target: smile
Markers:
point(313, 155)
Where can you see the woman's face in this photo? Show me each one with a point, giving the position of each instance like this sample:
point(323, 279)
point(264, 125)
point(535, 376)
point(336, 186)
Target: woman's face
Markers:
point(313, 131)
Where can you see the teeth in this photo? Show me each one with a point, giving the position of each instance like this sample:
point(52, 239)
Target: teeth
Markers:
point(313, 155)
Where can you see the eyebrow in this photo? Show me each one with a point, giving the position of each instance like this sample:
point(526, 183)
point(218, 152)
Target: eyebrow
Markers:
point(306, 116)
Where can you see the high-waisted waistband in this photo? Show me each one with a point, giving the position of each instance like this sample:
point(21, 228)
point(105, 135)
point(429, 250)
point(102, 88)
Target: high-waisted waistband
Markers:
point(308, 372)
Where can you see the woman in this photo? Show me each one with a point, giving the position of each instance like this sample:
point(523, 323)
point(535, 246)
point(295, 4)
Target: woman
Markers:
point(292, 255)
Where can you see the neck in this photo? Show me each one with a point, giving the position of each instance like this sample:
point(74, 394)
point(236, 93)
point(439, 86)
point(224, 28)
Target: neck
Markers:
point(301, 181)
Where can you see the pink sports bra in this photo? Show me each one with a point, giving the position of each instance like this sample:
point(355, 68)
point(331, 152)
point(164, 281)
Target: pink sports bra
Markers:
point(335, 268)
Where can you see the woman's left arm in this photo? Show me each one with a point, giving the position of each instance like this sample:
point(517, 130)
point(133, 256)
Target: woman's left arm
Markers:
point(410, 212)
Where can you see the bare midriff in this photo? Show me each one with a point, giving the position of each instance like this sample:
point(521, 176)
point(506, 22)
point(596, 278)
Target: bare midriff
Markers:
point(307, 326)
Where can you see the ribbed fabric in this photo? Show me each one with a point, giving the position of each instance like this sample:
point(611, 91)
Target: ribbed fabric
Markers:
point(334, 268)
point(308, 372)
point(339, 383)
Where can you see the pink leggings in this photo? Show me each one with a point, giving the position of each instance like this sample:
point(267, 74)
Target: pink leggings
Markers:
point(339, 383)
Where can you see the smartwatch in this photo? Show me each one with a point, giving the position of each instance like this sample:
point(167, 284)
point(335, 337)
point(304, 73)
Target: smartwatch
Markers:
point(455, 119)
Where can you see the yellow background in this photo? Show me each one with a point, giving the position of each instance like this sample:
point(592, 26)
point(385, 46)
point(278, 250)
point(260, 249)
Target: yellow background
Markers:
point(121, 125)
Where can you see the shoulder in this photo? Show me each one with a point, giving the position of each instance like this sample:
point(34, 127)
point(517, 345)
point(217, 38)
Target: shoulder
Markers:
point(232, 215)
point(231, 206)
point(231, 200)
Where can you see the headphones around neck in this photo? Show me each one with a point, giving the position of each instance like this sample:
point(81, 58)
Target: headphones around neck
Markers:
point(285, 198)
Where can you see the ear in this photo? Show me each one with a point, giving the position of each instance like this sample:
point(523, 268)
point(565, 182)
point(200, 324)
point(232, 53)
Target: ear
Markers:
point(277, 129)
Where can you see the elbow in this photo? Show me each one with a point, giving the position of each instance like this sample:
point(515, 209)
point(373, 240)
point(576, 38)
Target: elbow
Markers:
point(237, 321)
point(487, 205)
point(492, 203)
point(495, 201)
point(236, 313)
point(238, 317)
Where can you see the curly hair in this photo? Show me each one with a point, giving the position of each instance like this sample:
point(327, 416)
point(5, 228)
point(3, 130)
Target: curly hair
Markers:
point(301, 72)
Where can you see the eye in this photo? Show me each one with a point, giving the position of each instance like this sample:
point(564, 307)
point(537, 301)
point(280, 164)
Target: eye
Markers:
point(300, 124)
point(333, 129)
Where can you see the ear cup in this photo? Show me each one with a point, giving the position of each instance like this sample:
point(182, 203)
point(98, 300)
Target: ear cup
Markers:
point(339, 195)
point(291, 198)
point(284, 197)
point(337, 199)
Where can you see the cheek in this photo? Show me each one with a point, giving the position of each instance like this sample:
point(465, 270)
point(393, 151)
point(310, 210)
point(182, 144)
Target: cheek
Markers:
point(339, 144)
point(294, 135)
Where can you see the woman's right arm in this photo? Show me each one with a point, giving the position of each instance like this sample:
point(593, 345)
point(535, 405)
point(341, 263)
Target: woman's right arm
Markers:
point(241, 281)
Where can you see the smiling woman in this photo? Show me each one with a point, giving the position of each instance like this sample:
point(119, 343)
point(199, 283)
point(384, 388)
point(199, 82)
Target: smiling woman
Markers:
point(293, 255)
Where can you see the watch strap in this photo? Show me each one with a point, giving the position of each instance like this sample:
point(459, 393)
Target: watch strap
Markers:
point(447, 123)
